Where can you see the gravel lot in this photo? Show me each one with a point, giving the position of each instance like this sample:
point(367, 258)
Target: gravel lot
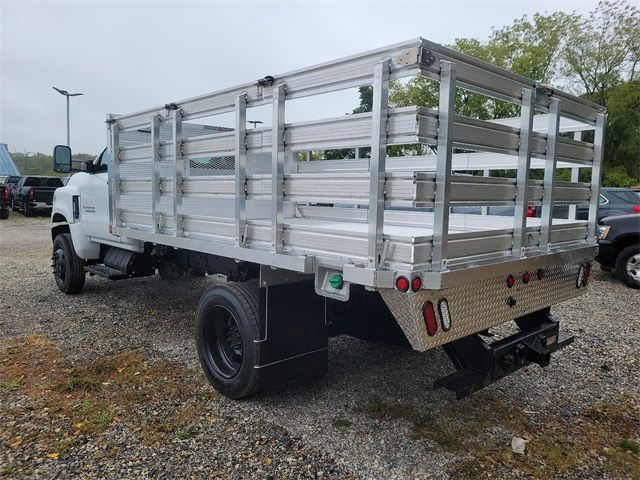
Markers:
point(106, 384)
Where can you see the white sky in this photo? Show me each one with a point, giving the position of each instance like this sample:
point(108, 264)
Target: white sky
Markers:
point(128, 56)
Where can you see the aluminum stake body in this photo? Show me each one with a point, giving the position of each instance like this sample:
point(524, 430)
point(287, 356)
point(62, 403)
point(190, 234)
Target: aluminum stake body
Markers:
point(67, 94)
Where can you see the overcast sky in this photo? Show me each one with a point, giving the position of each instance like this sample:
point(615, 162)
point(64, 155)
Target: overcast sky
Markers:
point(127, 56)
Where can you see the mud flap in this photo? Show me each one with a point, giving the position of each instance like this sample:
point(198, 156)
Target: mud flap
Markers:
point(479, 363)
point(293, 341)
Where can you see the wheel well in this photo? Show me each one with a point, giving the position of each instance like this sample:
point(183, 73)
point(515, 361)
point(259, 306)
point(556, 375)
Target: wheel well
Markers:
point(58, 229)
point(625, 241)
point(58, 217)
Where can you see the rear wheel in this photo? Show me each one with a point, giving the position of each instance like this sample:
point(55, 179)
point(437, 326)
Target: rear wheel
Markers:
point(4, 213)
point(170, 271)
point(628, 266)
point(226, 327)
point(68, 268)
point(27, 211)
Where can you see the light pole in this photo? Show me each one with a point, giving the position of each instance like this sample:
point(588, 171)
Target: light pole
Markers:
point(67, 94)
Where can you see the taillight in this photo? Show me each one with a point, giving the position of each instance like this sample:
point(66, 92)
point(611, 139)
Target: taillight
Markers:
point(540, 274)
point(511, 281)
point(583, 275)
point(402, 284)
point(587, 274)
point(429, 315)
point(30, 194)
point(5, 193)
point(526, 277)
point(416, 284)
point(531, 212)
point(445, 316)
point(636, 208)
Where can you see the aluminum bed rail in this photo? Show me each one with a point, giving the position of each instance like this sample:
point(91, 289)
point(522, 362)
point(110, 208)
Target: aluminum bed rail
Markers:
point(244, 194)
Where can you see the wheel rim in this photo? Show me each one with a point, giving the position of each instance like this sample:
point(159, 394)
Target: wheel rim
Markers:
point(58, 265)
point(223, 342)
point(633, 266)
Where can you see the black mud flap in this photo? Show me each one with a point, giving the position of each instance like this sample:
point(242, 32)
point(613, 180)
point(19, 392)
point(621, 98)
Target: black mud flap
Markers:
point(479, 363)
point(294, 342)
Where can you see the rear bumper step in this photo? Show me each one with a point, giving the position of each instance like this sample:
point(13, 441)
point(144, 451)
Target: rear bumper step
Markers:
point(479, 363)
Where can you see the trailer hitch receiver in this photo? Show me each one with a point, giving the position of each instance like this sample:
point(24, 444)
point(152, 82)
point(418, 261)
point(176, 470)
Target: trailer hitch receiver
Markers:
point(479, 363)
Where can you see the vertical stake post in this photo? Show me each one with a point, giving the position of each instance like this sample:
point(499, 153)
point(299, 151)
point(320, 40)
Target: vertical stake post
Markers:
point(178, 170)
point(596, 172)
point(241, 168)
point(546, 224)
point(377, 163)
point(446, 112)
point(155, 172)
point(114, 175)
point(524, 168)
point(277, 168)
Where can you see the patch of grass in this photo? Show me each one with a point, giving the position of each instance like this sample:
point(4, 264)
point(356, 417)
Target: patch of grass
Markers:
point(185, 433)
point(630, 445)
point(85, 399)
point(10, 385)
point(423, 424)
point(341, 423)
point(8, 469)
point(102, 418)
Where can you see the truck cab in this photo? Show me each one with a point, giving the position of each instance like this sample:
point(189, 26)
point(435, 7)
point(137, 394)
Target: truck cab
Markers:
point(82, 208)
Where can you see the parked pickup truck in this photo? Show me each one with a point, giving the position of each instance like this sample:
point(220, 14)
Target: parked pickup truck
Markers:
point(33, 193)
point(5, 201)
point(619, 241)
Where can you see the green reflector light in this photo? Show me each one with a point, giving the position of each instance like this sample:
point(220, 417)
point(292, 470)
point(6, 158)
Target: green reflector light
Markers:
point(336, 281)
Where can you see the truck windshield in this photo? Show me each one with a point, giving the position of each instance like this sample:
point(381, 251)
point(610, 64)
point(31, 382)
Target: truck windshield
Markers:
point(43, 182)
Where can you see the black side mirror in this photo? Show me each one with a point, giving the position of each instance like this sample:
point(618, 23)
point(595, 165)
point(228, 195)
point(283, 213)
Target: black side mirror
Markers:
point(62, 159)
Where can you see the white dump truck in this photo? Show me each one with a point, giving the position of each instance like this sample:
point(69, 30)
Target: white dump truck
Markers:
point(379, 246)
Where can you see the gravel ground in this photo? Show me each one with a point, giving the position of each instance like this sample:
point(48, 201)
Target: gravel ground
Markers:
point(374, 415)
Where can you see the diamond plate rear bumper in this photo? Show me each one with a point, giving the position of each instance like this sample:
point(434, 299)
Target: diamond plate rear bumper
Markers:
point(475, 307)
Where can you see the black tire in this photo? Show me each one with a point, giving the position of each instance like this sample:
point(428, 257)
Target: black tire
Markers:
point(226, 327)
point(27, 211)
point(68, 268)
point(4, 213)
point(628, 266)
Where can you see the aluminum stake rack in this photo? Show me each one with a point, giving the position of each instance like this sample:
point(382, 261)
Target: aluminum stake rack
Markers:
point(249, 195)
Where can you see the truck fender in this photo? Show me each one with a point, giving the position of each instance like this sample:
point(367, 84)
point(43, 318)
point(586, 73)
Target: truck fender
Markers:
point(62, 218)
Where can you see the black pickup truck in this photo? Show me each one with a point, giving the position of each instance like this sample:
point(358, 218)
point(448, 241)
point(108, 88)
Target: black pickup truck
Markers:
point(5, 201)
point(619, 247)
point(33, 193)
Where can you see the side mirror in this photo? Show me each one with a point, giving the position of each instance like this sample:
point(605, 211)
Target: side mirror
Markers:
point(62, 159)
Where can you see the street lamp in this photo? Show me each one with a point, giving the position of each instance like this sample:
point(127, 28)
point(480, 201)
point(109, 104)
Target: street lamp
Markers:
point(67, 94)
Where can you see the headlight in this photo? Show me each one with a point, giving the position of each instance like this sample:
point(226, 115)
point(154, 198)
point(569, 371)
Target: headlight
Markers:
point(603, 231)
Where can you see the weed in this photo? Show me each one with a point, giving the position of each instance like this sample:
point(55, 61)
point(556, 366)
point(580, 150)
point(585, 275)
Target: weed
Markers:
point(342, 423)
point(630, 445)
point(11, 385)
point(185, 433)
point(102, 418)
point(8, 469)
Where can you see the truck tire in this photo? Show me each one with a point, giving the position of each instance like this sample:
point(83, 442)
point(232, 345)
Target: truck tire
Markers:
point(4, 213)
point(628, 266)
point(226, 327)
point(68, 268)
point(27, 211)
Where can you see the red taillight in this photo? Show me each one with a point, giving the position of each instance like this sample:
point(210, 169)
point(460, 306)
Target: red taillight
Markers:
point(531, 212)
point(416, 284)
point(526, 277)
point(5, 193)
point(587, 273)
point(402, 284)
point(636, 208)
point(540, 274)
point(511, 281)
point(30, 194)
point(429, 314)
